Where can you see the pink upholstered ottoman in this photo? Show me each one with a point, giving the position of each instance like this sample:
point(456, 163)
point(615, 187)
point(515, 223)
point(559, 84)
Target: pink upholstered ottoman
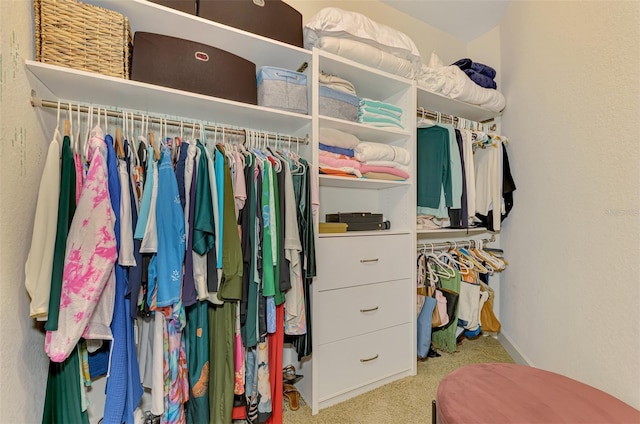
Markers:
point(509, 393)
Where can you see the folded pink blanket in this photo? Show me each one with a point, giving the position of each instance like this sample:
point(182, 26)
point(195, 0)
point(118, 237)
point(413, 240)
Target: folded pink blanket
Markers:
point(387, 170)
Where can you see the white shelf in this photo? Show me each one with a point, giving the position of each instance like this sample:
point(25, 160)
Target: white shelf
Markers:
point(151, 17)
point(448, 232)
point(368, 82)
point(364, 183)
point(365, 132)
point(439, 103)
point(363, 233)
point(71, 85)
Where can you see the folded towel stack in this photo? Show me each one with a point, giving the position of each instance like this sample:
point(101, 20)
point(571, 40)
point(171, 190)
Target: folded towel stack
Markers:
point(481, 74)
point(379, 114)
point(344, 154)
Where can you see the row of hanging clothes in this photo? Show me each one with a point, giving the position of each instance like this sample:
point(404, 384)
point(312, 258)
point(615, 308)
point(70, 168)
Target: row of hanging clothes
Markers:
point(464, 177)
point(174, 267)
point(454, 297)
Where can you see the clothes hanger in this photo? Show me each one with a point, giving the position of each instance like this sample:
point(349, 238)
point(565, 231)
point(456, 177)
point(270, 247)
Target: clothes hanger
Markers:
point(477, 265)
point(423, 122)
point(152, 142)
point(462, 267)
point(443, 269)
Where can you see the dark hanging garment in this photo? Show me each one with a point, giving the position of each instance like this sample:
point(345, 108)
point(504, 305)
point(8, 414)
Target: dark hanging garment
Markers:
point(302, 190)
point(62, 402)
point(459, 217)
point(285, 277)
point(135, 272)
point(189, 294)
point(66, 210)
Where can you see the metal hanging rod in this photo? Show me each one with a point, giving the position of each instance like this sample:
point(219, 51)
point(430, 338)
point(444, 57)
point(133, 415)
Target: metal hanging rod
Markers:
point(137, 116)
point(450, 244)
point(449, 119)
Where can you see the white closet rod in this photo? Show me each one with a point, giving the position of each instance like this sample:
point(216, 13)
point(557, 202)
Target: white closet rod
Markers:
point(37, 102)
point(449, 244)
point(451, 119)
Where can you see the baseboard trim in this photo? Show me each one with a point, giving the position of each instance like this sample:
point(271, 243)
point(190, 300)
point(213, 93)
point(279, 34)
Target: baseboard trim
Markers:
point(511, 349)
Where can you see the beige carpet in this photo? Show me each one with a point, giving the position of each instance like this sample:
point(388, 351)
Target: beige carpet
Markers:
point(407, 400)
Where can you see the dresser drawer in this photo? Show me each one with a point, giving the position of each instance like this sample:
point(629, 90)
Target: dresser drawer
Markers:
point(354, 261)
point(350, 363)
point(352, 311)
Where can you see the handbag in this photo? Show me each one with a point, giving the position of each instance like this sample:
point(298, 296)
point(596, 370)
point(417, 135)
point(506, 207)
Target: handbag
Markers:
point(488, 319)
point(452, 305)
point(440, 315)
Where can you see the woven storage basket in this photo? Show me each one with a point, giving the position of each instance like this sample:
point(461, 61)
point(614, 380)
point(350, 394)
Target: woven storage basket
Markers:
point(81, 36)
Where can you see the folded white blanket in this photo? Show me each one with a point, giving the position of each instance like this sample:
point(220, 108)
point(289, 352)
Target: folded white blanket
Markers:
point(336, 83)
point(368, 151)
point(337, 138)
point(369, 56)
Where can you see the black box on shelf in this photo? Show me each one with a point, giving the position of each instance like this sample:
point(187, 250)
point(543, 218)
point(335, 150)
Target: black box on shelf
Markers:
point(349, 217)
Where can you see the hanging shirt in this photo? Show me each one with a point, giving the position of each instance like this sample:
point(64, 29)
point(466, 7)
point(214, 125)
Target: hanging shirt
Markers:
point(90, 255)
point(295, 322)
point(66, 209)
point(488, 168)
point(167, 262)
point(124, 389)
point(37, 269)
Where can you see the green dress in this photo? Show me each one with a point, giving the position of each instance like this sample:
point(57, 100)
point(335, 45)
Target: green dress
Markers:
point(446, 339)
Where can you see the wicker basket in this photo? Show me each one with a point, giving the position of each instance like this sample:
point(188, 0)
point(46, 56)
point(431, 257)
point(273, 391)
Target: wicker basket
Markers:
point(81, 36)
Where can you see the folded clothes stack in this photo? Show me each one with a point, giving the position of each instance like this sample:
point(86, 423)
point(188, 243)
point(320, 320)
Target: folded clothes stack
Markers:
point(336, 83)
point(481, 74)
point(379, 114)
point(343, 154)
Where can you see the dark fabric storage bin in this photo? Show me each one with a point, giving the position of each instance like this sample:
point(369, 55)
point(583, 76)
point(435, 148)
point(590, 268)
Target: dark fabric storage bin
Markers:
point(270, 18)
point(190, 66)
point(187, 6)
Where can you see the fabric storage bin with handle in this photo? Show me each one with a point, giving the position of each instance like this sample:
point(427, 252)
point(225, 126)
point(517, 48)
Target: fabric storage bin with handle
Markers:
point(282, 89)
point(190, 66)
point(77, 35)
point(337, 104)
point(273, 19)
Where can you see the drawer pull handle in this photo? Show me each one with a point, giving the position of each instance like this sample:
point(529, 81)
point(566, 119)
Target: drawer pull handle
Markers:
point(369, 359)
point(369, 310)
point(364, 261)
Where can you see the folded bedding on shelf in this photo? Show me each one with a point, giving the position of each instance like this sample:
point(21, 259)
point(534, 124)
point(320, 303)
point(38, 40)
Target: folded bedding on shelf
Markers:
point(452, 82)
point(334, 82)
point(377, 105)
point(339, 162)
point(381, 176)
point(335, 22)
point(340, 172)
point(384, 169)
point(480, 68)
point(369, 56)
point(368, 151)
point(378, 120)
point(480, 79)
point(339, 150)
point(386, 163)
point(337, 138)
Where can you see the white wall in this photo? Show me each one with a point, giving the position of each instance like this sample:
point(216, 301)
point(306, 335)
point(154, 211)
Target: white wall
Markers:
point(23, 367)
point(571, 297)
